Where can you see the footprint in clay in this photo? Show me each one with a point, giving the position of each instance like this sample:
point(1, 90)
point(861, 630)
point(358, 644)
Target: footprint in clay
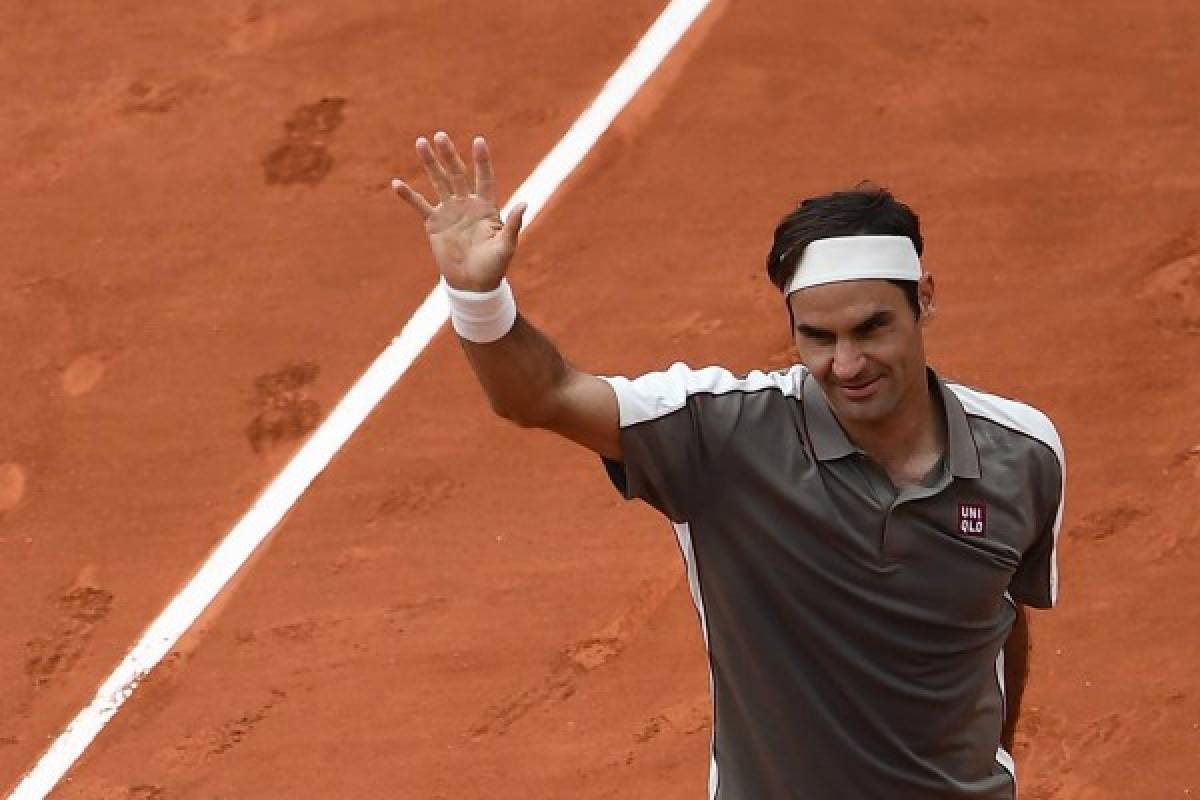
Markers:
point(1173, 294)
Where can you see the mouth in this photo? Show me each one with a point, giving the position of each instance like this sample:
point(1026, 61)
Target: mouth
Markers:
point(858, 392)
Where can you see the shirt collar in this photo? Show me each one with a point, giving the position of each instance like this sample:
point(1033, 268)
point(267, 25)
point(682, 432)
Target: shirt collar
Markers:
point(829, 441)
point(962, 452)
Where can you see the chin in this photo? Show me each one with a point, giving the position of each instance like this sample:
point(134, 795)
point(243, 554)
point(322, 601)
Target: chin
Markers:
point(875, 410)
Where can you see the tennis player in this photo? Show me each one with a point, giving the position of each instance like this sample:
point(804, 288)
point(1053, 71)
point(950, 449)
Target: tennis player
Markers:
point(861, 535)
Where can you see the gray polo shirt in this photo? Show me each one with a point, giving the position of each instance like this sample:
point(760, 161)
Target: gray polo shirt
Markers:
point(855, 633)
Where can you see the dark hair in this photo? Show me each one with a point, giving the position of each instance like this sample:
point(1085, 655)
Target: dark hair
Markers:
point(866, 209)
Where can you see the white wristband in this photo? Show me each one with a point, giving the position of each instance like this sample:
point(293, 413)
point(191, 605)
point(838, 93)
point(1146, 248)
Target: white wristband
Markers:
point(482, 317)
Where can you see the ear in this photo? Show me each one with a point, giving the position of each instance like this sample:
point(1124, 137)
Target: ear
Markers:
point(925, 298)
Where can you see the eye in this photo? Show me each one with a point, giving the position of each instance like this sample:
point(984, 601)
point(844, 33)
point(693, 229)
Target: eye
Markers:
point(815, 336)
point(872, 325)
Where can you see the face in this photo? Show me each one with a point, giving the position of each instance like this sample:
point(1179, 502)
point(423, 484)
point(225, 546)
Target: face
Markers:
point(863, 344)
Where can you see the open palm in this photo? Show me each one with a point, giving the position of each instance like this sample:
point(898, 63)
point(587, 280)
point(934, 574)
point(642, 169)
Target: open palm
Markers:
point(470, 243)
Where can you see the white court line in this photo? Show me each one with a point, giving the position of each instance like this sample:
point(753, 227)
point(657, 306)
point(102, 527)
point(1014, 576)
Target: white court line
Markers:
point(241, 542)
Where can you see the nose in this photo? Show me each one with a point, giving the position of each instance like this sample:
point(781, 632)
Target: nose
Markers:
point(847, 360)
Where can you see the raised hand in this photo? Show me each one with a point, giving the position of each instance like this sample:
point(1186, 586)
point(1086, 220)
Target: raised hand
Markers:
point(471, 245)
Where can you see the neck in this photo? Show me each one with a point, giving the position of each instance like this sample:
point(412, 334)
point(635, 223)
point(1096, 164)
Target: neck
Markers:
point(911, 440)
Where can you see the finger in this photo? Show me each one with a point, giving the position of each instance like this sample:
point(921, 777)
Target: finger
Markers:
point(412, 197)
point(485, 178)
point(455, 168)
point(512, 225)
point(433, 169)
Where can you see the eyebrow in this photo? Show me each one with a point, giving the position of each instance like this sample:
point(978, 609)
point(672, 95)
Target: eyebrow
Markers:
point(813, 332)
point(873, 321)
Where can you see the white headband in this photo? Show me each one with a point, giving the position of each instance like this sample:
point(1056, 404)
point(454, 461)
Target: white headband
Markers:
point(853, 258)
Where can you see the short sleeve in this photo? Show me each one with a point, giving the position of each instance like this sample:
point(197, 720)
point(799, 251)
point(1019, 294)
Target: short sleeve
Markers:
point(1035, 582)
point(674, 423)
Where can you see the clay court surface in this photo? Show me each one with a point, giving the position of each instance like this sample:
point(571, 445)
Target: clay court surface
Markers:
point(201, 255)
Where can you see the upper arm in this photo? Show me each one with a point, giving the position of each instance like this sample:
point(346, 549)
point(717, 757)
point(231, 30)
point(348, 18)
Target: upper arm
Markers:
point(585, 411)
point(1016, 673)
point(1017, 642)
point(659, 432)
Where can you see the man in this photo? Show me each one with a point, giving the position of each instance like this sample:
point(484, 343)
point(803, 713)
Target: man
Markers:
point(859, 534)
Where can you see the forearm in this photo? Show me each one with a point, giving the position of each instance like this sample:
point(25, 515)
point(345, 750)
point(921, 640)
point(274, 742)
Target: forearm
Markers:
point(522, 373)
point(1016, 672)
point(525, 377)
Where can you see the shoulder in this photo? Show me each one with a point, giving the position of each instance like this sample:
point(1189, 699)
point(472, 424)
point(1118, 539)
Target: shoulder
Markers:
point(658, 394)
point(1015, 420)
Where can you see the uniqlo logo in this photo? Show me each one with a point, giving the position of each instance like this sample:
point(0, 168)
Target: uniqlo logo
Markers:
point(972, 519)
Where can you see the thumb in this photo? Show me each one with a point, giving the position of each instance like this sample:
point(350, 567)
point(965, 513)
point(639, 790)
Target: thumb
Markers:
point(512, 225)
